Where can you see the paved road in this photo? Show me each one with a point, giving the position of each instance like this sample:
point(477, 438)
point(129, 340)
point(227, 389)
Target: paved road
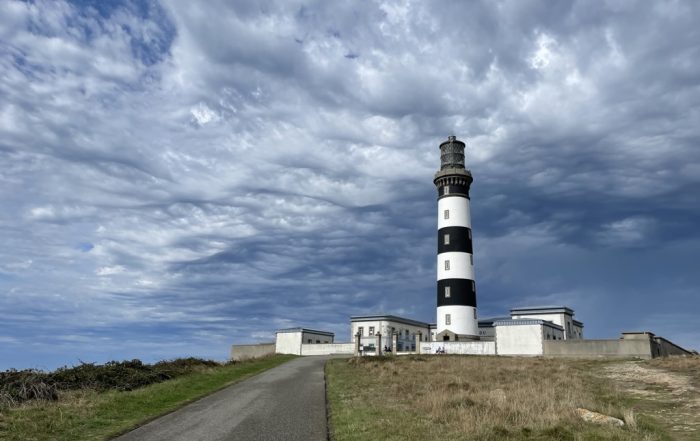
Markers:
point(285, 403)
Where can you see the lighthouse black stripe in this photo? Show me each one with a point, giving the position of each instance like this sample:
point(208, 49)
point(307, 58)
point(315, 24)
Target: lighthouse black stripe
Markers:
point(459, 240)
point(462, 292)
point(453, 189)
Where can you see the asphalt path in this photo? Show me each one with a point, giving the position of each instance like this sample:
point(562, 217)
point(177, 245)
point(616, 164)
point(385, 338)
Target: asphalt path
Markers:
point(287, 402)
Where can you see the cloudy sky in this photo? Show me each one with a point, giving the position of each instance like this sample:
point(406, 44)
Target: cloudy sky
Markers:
point(177, 176)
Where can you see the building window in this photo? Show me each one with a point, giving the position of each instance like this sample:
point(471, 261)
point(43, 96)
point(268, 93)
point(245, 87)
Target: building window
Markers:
point(308, 341)
point(447, 292)
point(361, 331)
point(474, 314)
point(447, 265)
point(371, 330)
point(447, 189)
point(469, 233)
point(473, 286)
point(447, 239)
point(318, 341)
point(407, 334)
point(447, 214)
point(471, 259)
point(448, 319)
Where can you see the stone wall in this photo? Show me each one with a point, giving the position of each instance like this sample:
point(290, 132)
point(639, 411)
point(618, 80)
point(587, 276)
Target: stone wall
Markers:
point(598, 348)
point(244, 352)
point(664, 348)
point(632, 344)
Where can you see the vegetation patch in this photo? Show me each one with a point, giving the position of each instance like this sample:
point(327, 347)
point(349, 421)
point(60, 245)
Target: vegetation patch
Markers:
point(90, 405)
point(475, 398)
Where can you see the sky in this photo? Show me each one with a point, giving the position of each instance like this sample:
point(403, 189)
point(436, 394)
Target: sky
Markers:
point(179, 176)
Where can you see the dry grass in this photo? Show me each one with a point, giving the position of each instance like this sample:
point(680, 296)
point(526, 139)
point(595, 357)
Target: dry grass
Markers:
point(689, 366)
point(480, 398)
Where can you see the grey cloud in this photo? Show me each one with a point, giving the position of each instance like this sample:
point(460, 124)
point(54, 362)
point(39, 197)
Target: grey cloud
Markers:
point(235, 171)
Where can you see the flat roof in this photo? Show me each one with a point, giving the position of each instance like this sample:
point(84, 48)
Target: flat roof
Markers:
point(547, 309)
point(489, 321)
point(388, 318)
point(524, 322)
point(577, 323)
point(307, 330)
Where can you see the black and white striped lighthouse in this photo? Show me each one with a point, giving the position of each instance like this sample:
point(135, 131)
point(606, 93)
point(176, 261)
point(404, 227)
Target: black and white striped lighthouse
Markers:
point(456, 289)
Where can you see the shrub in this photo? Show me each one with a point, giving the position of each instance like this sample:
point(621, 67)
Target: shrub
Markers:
point(19, 386)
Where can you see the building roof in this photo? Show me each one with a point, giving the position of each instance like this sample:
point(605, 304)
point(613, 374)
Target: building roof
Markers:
point(388, 318)
point(488, 322)
point(524, 322)
point(577, 323)
point(542, 310)
point(307, 330)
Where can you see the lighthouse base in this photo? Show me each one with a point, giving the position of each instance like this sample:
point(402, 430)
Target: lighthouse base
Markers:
point(447, 335)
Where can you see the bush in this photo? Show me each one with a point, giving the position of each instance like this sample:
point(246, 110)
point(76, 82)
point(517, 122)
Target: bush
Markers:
point(19, 386)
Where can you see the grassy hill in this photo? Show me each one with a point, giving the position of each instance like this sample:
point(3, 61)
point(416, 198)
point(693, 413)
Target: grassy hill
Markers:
point(500, 398)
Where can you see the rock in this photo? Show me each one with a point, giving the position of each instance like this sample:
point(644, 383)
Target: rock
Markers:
point(598, 418)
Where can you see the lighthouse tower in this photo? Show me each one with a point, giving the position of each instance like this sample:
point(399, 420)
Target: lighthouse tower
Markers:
point(456, 289)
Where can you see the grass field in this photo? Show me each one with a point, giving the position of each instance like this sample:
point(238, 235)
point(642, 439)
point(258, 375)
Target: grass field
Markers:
point(478, 398)
point(91, 415)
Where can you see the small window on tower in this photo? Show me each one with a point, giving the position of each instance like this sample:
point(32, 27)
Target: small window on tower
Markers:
point(447, 292)
point(447, 190)
point(475, 314)
point(471, 259)
point(473, 286)
point(447, 214)
point(448, 319)
point(447, 265)
point(469, 232)
point(447, 239)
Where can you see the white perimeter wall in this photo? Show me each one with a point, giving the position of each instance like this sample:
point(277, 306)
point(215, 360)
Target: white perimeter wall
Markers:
point(460, 347)
point(327, 349)
point(519, 340)
point(288, 343)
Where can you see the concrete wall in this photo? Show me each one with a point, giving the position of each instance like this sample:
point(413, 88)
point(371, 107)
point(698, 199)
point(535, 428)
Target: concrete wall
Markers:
point(460, 347)
point(664, 348)
point(598, 348)
point(519, 340)
point(327, 349)
point(243, 352)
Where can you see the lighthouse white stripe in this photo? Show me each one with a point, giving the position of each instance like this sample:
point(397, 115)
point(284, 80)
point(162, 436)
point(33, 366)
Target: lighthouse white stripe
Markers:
point(461, 319)
point(459, 215)
point(460, 266)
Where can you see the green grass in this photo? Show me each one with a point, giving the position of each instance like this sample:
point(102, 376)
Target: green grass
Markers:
point(475, 398)
point(91, 415)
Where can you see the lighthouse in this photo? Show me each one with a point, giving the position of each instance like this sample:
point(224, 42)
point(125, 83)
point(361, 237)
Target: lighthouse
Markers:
point(456, 288)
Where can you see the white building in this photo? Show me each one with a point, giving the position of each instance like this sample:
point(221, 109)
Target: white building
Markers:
point(525, 336)
point(289, 341)
point(560, 315)
point(367, 327)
